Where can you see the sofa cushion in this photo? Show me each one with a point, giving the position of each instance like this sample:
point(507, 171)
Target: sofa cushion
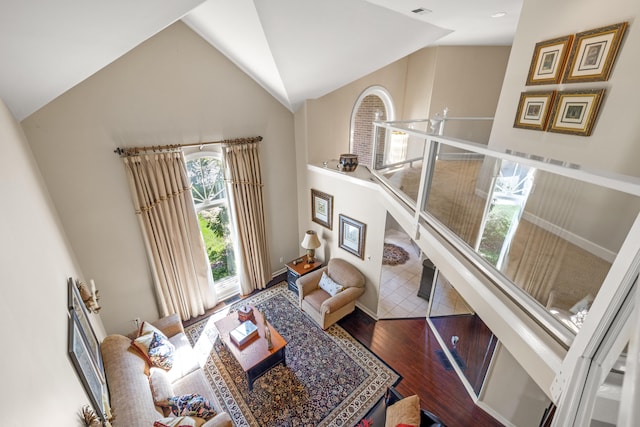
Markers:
point(160, 386)
point(154, 346)
point(405, 411)
point(328, 285)
point(186, 358)
point(130, 394)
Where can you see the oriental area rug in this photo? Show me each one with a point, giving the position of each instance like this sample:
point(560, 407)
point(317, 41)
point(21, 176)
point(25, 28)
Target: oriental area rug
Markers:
point(394, 255)
point(330, 378)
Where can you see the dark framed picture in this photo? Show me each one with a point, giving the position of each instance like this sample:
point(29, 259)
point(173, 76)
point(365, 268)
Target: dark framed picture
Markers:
point(322, 208)
point(352, 236)
point(594, 53)
point(575, 112)
point(534, 109)
point(82, 361)
point(548, 61)
point(77, 306)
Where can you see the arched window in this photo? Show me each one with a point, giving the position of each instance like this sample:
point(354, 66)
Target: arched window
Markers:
point(374, 103)
point(205, 171)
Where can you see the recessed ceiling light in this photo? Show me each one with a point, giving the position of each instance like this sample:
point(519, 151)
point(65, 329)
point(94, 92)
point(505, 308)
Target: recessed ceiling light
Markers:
point(421, 11)
point(498, 14)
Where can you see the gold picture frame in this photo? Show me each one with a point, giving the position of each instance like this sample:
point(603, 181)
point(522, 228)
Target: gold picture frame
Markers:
point(534, 110)
point(594, 53)
point(548, 61)
point(575, 112)
point(322, 208)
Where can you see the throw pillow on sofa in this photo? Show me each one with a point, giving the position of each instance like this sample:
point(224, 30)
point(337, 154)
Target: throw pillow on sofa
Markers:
point(405, 411)
point(154, 346)
point(191, 405)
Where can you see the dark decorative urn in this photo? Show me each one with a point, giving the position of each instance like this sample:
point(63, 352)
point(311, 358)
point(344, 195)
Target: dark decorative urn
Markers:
point(348, 162)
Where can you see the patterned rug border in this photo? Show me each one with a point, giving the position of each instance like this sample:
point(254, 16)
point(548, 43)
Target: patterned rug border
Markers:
point(380, 375)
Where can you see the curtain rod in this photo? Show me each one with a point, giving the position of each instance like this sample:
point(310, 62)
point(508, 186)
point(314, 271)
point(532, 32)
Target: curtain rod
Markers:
point(128, 151)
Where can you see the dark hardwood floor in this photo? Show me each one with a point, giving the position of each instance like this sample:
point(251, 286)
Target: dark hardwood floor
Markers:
point(408, 346)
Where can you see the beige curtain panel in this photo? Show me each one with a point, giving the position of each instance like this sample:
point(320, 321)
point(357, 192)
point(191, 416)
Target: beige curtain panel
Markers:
point(161, 194)
point(245, 188)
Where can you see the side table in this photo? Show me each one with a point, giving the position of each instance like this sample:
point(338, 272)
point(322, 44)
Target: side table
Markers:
point(298, 270)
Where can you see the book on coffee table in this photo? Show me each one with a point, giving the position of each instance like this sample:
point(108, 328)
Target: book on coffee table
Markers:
point(244, 333)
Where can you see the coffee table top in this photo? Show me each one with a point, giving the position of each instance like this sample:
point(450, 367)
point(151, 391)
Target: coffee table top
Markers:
point(255, 351)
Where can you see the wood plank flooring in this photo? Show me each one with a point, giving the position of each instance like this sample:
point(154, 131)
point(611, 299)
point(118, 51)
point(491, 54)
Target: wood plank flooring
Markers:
point(408, 346)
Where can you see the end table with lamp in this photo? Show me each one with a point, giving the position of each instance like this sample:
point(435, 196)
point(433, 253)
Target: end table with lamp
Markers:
point(304, 265)
point(298, 268)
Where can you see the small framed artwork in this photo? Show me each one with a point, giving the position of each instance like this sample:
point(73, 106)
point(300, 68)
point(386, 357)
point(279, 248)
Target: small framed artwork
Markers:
point(575, 112)
point(352, 236)
point(322, 208)
point(594, 53)
point(548, 61)
point(86, 369)
point(534, 109)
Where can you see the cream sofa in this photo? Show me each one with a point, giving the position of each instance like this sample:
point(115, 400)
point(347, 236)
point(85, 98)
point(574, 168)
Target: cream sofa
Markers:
point(323, 308)
point(128, 378)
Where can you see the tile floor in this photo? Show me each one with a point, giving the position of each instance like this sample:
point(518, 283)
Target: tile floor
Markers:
point(399, 286)
point(399, 283)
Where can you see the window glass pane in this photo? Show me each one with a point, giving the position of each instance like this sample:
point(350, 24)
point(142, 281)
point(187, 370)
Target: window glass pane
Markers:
point(207, 180)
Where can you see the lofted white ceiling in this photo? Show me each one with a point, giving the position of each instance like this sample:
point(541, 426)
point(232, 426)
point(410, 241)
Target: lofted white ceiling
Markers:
point(295, 49)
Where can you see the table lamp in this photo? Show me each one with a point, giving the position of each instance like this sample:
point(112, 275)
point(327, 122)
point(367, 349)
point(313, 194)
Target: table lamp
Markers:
point(310, 243)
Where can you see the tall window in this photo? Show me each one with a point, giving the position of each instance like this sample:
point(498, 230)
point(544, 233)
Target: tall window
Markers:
point(210, 198)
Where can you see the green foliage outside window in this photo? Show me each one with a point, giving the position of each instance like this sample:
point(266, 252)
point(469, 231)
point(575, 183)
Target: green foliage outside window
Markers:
point(215, 232)
point(496, 229)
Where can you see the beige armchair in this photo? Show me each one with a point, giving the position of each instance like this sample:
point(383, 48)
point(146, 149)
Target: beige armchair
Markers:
point(323, 308)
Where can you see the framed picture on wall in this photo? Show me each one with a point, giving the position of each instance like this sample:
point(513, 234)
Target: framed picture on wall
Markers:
point(575, 112)
point(534, 109)
point(81, 358)
point(322, 208)
point(594, 53)
point(352, 236)
point(549, 59)
point(77, 306)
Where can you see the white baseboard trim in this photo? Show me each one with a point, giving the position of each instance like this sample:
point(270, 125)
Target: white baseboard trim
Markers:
point(279, 272)
point(573, 238)
point(367, 311)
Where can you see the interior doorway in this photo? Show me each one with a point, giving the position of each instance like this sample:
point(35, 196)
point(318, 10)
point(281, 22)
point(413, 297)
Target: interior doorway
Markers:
point(400, 276)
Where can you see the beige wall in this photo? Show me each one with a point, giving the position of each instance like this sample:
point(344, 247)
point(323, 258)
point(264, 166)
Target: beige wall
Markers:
point(510, 392)
point(35, 262)
point(174, 88)
point(328, 118)
point(421, 70)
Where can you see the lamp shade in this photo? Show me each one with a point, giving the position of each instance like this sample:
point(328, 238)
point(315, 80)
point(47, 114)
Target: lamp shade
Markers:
point(310, 240)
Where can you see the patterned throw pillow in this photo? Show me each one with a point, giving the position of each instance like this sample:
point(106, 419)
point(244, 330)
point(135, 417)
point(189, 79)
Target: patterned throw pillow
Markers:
point(154, 346)
point(329, 286)
point(191, 405)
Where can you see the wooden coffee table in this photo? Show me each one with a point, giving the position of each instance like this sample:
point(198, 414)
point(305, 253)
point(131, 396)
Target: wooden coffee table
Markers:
point(254, 357)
